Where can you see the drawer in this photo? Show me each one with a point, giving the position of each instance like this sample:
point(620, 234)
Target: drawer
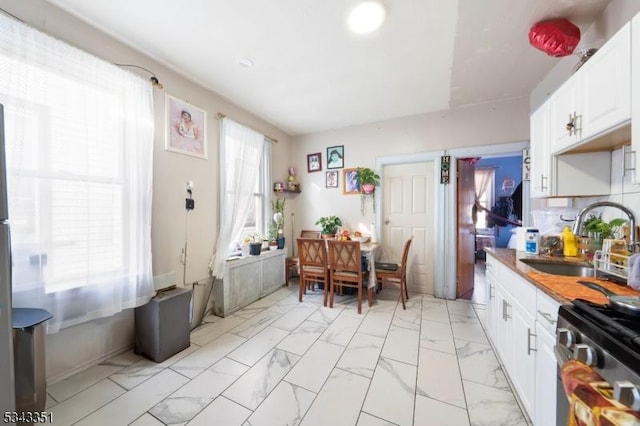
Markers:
point(546, 311)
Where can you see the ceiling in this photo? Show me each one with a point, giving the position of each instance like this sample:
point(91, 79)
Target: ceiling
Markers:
point(311, 74)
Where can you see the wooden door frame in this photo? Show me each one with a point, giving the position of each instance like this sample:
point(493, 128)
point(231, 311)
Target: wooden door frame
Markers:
point(445, 214)
point(516, 148)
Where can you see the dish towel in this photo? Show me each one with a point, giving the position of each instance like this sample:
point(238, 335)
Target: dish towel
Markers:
point(591, 400)
point(633, 279)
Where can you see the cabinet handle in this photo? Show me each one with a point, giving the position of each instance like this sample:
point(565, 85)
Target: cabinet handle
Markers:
point(548, 317)
point(529, 348)
point(542, 179)
point(505, 310)
point(633, 161)
point(572, 126)
point(491, 294)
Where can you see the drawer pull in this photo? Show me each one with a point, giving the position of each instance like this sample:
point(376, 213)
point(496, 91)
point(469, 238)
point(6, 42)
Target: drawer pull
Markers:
point(548, 317)
point(529, 348)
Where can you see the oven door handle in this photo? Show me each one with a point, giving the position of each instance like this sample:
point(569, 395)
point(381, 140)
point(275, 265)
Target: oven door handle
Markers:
point(563, 355)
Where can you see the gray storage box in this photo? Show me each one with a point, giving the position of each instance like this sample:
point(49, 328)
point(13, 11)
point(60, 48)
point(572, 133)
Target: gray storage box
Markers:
point(163, 325)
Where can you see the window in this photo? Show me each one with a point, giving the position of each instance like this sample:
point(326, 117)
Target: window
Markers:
point(485, 189)
point(79, 151)
point(259, 214)
point(245, 176)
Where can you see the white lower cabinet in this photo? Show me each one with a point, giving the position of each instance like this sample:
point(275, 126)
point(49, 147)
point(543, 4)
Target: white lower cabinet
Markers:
point(521, 325)
point(545, 383)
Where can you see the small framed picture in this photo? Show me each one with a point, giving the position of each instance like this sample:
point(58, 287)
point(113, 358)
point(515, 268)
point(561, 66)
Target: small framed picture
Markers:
point(350, 184)
point(186, 128)
point(332, 179)
point(314, 162)
point(335, 157)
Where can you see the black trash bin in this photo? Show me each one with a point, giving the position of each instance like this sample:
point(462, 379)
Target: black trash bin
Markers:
point(29, 361)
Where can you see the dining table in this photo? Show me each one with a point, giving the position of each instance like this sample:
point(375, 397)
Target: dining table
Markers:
point(372, 252)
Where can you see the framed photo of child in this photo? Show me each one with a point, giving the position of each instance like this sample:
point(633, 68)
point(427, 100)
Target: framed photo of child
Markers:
point(186, 128)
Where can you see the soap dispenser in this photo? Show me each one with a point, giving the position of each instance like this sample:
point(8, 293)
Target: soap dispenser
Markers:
point(570, 248)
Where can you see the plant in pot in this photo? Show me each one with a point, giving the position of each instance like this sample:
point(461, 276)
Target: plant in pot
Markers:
point(329, 225)
point(598, 230)
point(368, 180)
point(255, 244)
point(278, 206)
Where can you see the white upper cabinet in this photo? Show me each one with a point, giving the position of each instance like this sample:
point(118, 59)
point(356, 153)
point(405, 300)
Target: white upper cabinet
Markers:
point(606, 86)
point(596, 99)
point(540, 154)
point(564, 122)
point(633, 159)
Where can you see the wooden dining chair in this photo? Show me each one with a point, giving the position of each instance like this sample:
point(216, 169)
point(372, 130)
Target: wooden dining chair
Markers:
point(396, 273)
point(345, 270)
point(292, 263)
point(312, 253)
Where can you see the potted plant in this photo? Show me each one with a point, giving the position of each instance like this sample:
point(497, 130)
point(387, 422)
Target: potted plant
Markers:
point(598, 229)
point(278, 206)
point(329, 225)
point(255, 244)
point(368, 179)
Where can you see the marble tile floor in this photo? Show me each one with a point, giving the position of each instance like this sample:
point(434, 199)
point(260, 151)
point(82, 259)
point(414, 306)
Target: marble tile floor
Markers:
point(280, 362)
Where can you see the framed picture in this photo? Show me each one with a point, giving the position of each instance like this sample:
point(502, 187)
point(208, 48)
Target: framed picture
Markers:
point(314, 162)
point(350, 184)
point(335, 157)
point(186, 128)
point(332, 179)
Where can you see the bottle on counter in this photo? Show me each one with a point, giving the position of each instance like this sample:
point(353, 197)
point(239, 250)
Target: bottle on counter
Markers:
point(570, 246)
point(532, 241)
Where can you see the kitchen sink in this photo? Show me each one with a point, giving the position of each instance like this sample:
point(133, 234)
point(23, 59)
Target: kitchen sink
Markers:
point(571, 269)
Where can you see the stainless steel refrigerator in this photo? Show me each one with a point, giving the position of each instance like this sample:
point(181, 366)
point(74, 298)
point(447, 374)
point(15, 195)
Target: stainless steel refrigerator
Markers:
point(7, 382)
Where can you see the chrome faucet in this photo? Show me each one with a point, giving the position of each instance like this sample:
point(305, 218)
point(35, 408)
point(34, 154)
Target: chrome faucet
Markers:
point(577, 225)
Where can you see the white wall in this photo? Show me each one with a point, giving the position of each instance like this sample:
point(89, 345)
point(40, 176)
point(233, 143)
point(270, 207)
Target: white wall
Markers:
point(480, 125)
point(82, 345)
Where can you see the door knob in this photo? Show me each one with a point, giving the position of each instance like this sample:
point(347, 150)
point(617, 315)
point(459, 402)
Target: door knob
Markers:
point(386, 222)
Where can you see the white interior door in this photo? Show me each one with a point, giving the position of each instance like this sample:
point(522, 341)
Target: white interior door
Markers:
point(408, 209)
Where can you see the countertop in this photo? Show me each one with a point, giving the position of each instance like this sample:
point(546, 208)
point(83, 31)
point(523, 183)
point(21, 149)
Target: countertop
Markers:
point(560, 287)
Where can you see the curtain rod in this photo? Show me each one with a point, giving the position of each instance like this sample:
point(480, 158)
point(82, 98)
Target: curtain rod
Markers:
point(270, 139)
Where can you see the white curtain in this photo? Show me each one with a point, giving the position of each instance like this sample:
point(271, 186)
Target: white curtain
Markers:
point(241, 150)
point(79, 145)
point(484, 188)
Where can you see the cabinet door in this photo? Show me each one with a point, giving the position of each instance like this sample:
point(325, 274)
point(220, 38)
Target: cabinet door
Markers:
point(546, 376)
point(523, 356)
point(564, 120)
point(540, 155)
point(634, 155)
point(490, 294)
point(502, 340)
point(606, 86)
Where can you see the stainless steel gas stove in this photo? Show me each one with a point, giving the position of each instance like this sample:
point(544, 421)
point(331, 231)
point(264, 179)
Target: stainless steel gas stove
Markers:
point(604, 339)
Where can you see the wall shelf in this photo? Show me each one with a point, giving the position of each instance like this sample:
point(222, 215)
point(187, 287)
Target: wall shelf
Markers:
point(287, 191)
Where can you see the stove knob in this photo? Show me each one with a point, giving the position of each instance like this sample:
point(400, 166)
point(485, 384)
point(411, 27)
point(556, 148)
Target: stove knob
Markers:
point(585, 354)
point(627, 393)
point(565, 337)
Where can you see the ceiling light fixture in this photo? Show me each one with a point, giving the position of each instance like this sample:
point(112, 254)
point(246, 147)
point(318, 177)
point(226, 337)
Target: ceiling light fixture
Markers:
point(366, 17)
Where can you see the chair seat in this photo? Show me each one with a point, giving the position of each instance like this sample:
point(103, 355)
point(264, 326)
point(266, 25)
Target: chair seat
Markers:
point(315, 270)
point(387, 266)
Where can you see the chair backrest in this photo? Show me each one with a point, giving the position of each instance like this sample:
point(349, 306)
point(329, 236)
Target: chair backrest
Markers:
point(345, 256)
point(307, 233)
point(405, 255)
point(312, 252)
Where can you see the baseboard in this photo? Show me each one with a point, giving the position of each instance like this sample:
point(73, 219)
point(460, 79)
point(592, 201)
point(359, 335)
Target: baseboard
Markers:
point(86, 365)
